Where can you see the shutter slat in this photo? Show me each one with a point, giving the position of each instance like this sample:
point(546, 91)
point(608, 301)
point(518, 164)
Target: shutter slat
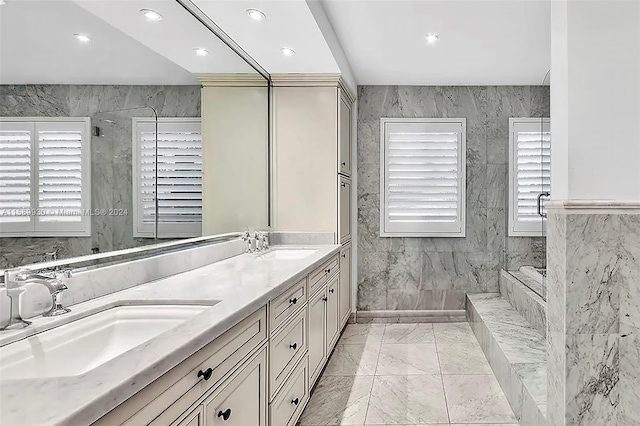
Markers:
point(533, 172)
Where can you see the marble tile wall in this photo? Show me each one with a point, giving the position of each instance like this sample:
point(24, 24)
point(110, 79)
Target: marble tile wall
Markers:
point(594, 322)
point(111, 169)
point(435, 273)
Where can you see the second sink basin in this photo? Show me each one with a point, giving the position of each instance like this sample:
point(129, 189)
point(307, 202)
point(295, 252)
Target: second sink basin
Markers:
point(288, 254)
point(85, 344)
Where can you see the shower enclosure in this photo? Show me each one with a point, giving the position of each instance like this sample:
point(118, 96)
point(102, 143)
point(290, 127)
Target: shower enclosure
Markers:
point(529, 189)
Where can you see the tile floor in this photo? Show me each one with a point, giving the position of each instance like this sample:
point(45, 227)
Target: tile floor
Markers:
point(408, 374)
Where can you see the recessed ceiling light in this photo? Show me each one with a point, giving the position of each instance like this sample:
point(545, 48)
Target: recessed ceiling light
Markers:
point(151, 15)
point(256, 14)
point(287, 51)
point(200, 51)
point(432, 38)
point(83, 38)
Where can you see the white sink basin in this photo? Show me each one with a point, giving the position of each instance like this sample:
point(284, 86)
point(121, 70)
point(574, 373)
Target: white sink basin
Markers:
point(87, 343)
point(288, 254)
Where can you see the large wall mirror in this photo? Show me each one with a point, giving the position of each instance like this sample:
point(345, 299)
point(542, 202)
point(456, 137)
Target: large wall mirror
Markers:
point(124, 124)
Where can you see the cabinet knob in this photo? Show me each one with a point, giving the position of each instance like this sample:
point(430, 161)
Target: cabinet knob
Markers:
point(344, 255)
point(325, 299)
point(206, 374)
point(295, 401)
point(225, 414)
point(328, 271)
point(293, 301)
point(331, 290)
point(344, 185)
point(293, 346)
point(344, 163)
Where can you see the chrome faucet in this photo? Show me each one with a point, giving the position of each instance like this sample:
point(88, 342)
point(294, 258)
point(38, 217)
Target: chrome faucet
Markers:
point(15, 281)
point(256, 241)
point(53, 282)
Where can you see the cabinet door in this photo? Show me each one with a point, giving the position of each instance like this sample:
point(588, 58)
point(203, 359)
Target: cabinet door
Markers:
point(344, 138)
point(317, 337)
point(344, 207)
point(195, 418)
point(242, 399)
point(332, 312)
point(345, 284)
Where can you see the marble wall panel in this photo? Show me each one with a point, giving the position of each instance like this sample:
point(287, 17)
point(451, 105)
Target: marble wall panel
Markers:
point(111, 154)
point(449, 267)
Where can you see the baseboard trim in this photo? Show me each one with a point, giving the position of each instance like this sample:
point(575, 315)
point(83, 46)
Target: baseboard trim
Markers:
point(390, 317)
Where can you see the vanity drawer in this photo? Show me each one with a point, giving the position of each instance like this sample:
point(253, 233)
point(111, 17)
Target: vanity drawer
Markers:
point(182, 386)
point(287, 303)
point(320, 275)
point(285, 348)
point(288, 405)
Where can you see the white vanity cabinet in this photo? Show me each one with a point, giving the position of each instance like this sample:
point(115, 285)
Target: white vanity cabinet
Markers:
point(344, 209)
point(258, 373)
point(344, 136)
point(344, 308)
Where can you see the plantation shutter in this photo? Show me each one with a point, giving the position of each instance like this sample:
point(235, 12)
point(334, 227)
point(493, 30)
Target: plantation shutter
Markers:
point(45, 174)
point(530, 170)
point(179, 177)
point(423, 177)
point(16, 142)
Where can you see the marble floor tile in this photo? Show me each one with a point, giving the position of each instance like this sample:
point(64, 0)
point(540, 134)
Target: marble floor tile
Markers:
point(454, 333)
point(352, 360)
point(408, 333)
point(405, 359)
point(462, 359)
point(476, 398)
point(338, 401)
point(407, 400)
point(359, 334)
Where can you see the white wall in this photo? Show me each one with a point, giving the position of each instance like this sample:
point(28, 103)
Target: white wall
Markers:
point(595, 100)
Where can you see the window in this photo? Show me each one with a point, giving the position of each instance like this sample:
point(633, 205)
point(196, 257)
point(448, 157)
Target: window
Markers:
point(179, 177)
point(529, 174)
point(45, 175)
point(422, 177)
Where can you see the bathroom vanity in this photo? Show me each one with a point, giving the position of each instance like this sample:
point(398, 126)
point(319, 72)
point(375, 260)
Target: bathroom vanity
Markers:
point(250, 354)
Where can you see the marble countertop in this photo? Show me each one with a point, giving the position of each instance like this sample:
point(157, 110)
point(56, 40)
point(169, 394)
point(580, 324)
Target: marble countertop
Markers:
point(243, 284)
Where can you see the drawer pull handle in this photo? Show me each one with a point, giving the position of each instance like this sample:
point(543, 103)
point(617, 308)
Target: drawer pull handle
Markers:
point(225, 414)
point(293, 346)
point(206, 374)
point(331, 290)
point(328, 271)
point(344, 255)
point(324, 298)
point(344, 185)
point(295, 401)
point(344, 163)
point(293, 301)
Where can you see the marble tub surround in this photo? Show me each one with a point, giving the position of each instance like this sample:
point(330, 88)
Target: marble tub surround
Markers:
point(516, 352)
point(436, 273)
point(242, 283)
point(407, 374)
point(594, 322)
point(111, 169)
point(527, 302)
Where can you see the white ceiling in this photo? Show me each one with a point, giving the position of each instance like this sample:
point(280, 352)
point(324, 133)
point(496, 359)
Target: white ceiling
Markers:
point(37, 44)
point(289, 23)
point(496, 42)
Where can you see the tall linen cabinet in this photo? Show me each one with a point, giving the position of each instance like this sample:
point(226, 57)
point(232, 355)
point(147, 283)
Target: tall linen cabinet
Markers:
point(311, 181)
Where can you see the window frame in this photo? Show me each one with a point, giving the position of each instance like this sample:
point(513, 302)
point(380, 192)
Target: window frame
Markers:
point(430, 230)
point(516, 228)
point(33, 228)
point(165, 230)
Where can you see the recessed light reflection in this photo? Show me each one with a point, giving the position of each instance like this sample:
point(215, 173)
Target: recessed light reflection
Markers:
point(151, 15)
point(200, 51)
point(432, 38)
point(83, 38)
point(287, 51)
point(256, 14)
